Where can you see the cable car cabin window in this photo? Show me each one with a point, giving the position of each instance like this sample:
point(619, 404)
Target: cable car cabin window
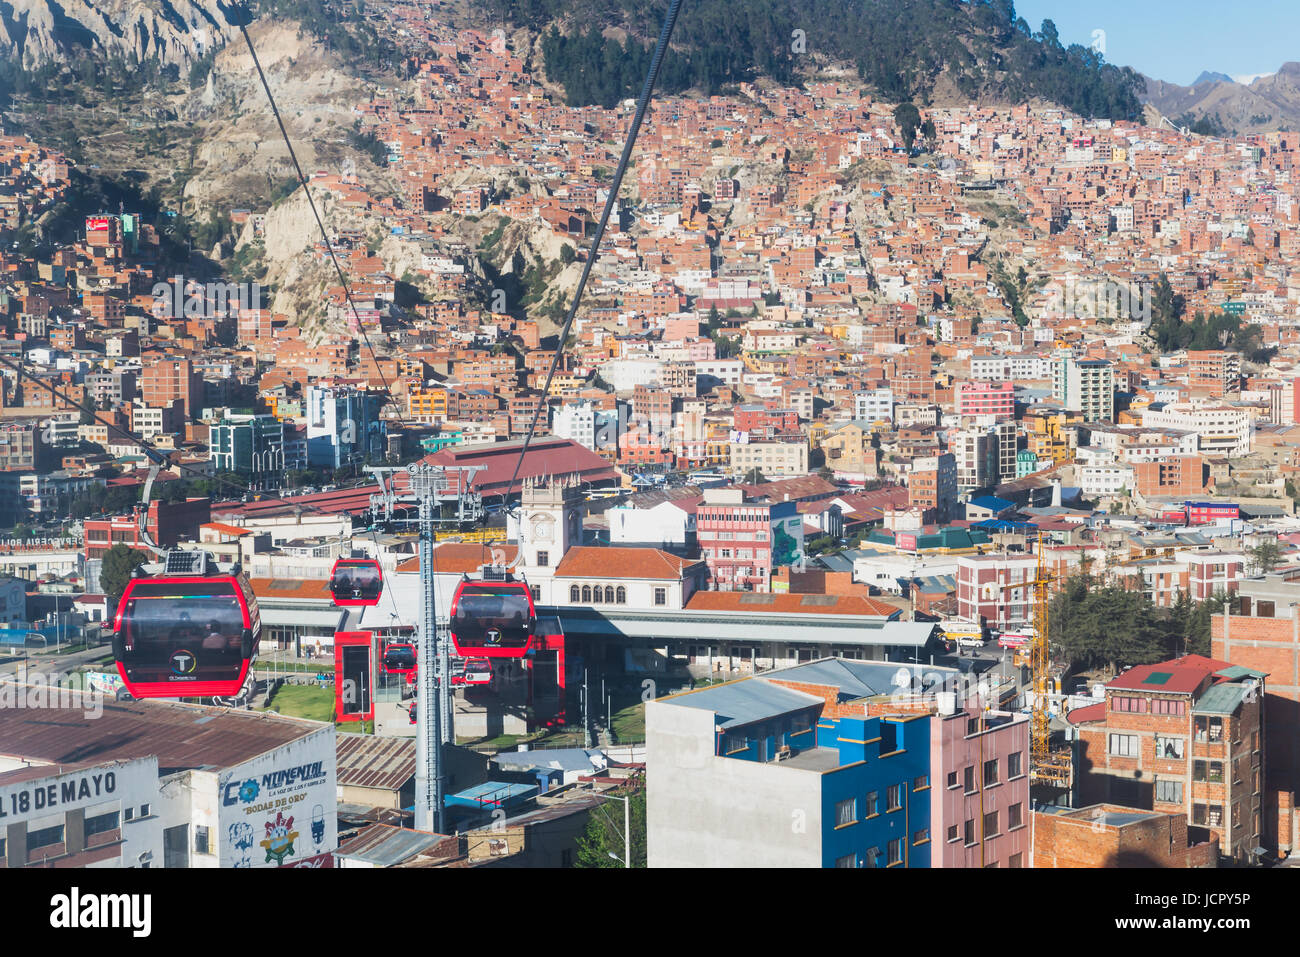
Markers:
point(492, 617)
point(184, 631)
point(399, 659)
point(356, 582)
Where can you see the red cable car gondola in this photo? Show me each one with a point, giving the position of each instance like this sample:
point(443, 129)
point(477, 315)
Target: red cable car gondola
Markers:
point(399, 658)
point(186, 630)
point(493, 617)
point(356, 581)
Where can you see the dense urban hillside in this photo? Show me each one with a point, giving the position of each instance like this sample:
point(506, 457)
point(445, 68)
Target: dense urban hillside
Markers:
point(924, 50)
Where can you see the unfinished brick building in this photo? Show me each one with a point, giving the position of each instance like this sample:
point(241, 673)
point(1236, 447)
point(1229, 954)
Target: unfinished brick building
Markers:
point(1107, 835)
point(1180, 737)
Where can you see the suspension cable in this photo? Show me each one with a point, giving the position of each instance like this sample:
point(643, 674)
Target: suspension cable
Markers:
point(661, 49)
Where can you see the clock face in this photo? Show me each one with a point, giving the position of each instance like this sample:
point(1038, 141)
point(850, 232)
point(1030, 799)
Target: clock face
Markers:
point(543, 528)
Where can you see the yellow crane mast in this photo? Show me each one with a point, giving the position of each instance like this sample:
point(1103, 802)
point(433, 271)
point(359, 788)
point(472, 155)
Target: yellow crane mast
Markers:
point(1045, 765)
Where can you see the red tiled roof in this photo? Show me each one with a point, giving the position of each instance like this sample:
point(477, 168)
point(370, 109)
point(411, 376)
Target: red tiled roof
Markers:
point(305, 588)
point(586, 561)
point(790, 604)
point(1185, 675)
point(463, 558)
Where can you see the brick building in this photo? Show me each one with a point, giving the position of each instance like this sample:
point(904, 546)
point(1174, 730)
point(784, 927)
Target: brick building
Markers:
point(1262, 631)
point(932, 485)
point(168, 379)
point(1214, 372)
point(1182, 736)
point(1174, 475)
point(1107, 835)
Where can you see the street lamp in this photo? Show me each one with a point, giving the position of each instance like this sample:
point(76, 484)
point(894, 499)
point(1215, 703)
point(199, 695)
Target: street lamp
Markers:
point(627, 826)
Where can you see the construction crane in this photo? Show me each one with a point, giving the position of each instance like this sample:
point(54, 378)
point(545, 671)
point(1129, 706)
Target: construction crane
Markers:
point(1045, 765)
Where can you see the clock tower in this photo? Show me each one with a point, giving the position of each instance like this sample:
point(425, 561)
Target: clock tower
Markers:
point(550, 523)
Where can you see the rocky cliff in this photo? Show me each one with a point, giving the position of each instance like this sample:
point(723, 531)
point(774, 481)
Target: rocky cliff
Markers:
point(173, 31)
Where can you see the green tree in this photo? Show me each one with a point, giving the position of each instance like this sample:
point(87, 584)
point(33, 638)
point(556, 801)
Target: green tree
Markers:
point(1265, 556)
point(115, 573)
point(908, 119)
point(755, 476)
point(567, 255)
point(604, 834)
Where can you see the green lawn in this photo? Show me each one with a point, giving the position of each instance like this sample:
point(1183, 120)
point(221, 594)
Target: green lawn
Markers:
point(629, 722)
point(303, 701)
point(355, 727)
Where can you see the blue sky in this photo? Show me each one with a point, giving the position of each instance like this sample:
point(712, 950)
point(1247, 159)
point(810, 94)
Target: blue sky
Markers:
point(1174, 40)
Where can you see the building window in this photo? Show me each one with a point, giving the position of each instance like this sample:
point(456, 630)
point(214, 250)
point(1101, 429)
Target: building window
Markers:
point(896, 851)
point(952, 833)
point(1169, 748)
point(1168, 706)
point(990, 772)
point(620, 595)
point(596, 595)
point(848, 860)
point(101, 823)
point(969, 834)
point(609, 594)
point(873, 857)
point(952, 779)
point(921, 836)
point(44, 837)
point(1014, 762)
point(922, 782)
point(733, 743)
point(575, 593)
point(873, 804)
point(991, 824)
point(201, 840)
point(144, 810)
point(1216, 730)
point(846, 812)
point(1169, 791)
point(1123, 745)
point(661, 596)
point(1211, 771)
point(586, 594)
point(893, 797)
point(1015, 817)
point(129, 814)
point(1016, 860)
point(544, 559)
point(969, 775)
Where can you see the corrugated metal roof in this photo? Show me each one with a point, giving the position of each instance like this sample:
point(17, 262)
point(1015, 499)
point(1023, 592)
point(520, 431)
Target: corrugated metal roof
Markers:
point(862, 679)
point(367, 761)
point(1221, 699)
point(386, 846)
point(744, 702)
point(181, 736)
point(1234, 672)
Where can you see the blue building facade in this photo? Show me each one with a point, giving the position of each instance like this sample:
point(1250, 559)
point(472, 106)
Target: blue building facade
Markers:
point(876, 804)
point(875, 799)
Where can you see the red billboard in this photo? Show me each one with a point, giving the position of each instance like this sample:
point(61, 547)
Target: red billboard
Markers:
point(906, 541)
point(96, 224)
point(320, 860)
